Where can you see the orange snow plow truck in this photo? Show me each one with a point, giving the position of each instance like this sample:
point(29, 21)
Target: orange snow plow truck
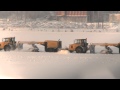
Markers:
point(9, 44)
point(81, 46)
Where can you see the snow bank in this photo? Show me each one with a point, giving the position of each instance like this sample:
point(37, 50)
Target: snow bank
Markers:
point(63, 52)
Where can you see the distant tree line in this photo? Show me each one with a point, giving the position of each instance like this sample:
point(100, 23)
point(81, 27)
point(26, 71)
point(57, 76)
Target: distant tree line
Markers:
point(20, 15)
point(24, 14)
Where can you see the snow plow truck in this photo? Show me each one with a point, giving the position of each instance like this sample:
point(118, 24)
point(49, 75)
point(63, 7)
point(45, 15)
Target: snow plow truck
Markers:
point(82, 46)
point(79, 45)
point(9, 44)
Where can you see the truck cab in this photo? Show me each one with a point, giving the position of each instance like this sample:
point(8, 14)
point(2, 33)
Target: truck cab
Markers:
point(8, 43)
point(79, 45)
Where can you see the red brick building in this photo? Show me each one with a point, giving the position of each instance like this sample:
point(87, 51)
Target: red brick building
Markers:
point(79, 16)
point(85, 16)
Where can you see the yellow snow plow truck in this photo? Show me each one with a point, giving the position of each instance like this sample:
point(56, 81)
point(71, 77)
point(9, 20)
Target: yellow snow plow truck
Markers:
point(8, 44)
point(49, 45)
point(79, 46)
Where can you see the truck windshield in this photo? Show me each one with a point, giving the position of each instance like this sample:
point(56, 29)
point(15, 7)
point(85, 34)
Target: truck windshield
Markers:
point(77, 41)
point(5, 39)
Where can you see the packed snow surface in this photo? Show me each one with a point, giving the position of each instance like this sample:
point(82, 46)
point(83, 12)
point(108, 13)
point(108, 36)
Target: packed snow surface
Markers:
point(61, 65)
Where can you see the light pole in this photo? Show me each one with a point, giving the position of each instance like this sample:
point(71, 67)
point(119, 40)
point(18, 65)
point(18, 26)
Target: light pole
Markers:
point(93, 16)
point(98, 19)
point(102, 20)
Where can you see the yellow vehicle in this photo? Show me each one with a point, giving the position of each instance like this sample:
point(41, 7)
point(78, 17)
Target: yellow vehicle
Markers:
point(79, 46)
point(8, 44)
point(52, 46)
point(49, 45)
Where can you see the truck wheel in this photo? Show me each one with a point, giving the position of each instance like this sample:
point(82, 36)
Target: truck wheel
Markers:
point(84, 51)
point(7, 48)
point(56, 50)
point(71, 51)
point(79, 50)
point(51, 50)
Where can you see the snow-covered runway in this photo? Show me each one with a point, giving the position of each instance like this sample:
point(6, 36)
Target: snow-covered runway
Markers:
point(30, 65)
point(58, 65)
